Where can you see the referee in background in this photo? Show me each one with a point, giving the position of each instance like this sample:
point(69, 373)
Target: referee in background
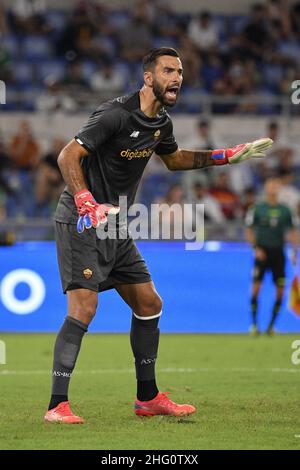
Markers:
point(267, 224)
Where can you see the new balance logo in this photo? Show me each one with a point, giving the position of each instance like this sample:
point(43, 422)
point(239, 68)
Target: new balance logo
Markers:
point(135, 134)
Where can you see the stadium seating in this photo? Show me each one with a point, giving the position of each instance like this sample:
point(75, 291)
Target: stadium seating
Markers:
point(33, 57)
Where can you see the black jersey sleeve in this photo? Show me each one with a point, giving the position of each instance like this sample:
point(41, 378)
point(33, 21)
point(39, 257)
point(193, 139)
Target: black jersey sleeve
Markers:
point(101, 126)
point(168, 144)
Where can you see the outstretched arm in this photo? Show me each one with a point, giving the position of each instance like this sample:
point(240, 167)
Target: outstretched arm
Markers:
point(188, 159)
point(193, 159)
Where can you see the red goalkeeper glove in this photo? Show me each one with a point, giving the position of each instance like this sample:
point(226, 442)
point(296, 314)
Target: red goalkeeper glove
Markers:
point(91, 214)
point(242, 152)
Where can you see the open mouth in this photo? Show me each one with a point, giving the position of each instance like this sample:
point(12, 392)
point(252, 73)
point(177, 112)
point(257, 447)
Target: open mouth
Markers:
point(172, 92)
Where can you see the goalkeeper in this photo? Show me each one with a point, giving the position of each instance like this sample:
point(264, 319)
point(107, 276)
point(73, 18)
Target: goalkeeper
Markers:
point(104, 161)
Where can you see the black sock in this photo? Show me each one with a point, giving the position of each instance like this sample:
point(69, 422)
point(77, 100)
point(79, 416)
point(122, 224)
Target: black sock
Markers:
point(146, 390)
point(144, 339)
point(56, 400)
point(275, 312)
point(66, 350)
point(254, 309)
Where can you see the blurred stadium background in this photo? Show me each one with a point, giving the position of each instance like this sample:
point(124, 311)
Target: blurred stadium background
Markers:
point(59, 60)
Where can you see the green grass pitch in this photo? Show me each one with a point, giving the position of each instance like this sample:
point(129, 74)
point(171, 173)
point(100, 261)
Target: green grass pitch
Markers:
point(246, 391)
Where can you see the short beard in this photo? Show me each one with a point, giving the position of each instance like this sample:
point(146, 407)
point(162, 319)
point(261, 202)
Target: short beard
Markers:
point(159, 93)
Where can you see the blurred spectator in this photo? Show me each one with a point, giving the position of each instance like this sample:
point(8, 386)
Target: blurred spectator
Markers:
point(28, 16)
point(108, 79)
point(286, 162)
point(24, 152)
point(78, 38)
point(6, 72)
point(201, 139)
point(136, 37)
point(156, 181)
point(7, 237)
point(212, 70)
point(165, 22)
point(24, 149)
point(240, 79)
point(49, 183)
point(225, 196)
point(212, 209)
point(149, 7)
point(289, 194)
point(280, 149)
point(203, 32)
point(55, 98)
point(192, 63)
point(278, 11)
point(175, 220)
point(73, 79)
point(244, 76)
point(290, 74)
point(248, 200)
point(270, 166)
point(295, 19)
point(174, 195)
point(273, 131)
point(255, 36)
point(5, 165)
point(241, 177)
point(92, 11)
point(3, 23)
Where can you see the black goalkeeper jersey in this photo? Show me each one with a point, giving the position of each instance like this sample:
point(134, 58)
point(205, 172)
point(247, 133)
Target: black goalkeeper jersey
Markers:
point(120, 139)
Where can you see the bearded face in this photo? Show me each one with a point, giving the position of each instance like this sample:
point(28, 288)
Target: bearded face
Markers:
point(167, 79)
point(166, 94)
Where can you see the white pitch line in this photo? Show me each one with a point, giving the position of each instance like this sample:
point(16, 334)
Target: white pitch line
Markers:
point(167, 370)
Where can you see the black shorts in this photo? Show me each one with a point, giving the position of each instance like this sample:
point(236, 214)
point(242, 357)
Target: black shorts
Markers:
point(85, 261)
point(275, 262)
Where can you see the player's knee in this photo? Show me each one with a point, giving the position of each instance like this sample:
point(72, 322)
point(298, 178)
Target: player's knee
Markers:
point(157, 305)
point(151, 305)
point(90, 311)
point(85, 310)
point(82, 304)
